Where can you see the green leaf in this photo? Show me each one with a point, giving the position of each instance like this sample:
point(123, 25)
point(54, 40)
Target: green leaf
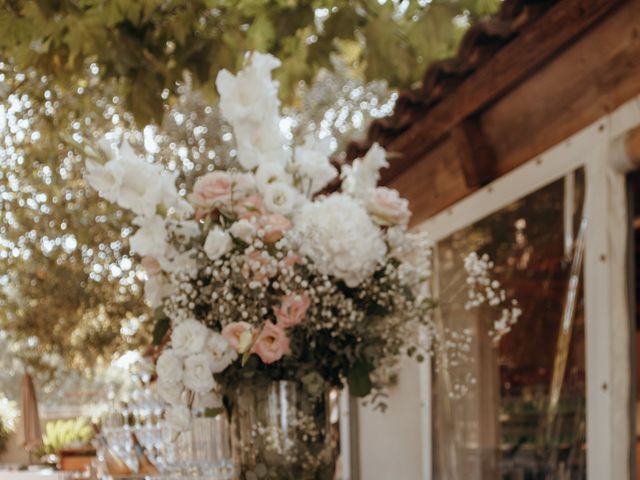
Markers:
point(342, 23)
point(133, 11)
point(388, 52)
point(358, 379)
point(376, 310)
point(160, 329)
point(245, 357)
point(261, 34)
point(213, 412)
point(144, 98)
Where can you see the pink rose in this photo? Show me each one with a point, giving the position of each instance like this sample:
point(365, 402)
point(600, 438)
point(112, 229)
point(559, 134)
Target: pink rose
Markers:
point(233, 334)
point(388, 208)
point(274, 226)
point(212, 189)
point(242, 184)
point(292, 310)
point(248, 207)
point(272, 343)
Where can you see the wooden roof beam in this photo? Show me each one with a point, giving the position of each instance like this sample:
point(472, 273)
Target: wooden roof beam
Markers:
point(565, 21)
point(477, 157)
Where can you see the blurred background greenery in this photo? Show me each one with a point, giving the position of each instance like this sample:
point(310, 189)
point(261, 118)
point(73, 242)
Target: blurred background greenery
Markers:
point(72, 70)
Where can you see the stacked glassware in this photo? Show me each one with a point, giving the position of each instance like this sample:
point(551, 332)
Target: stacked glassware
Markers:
point(135, 442)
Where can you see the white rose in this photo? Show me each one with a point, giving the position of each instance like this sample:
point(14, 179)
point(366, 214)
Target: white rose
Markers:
point(280, 198)
point(169, 367)
point(269, 173)
point(198, 376)
point(189, 337)
point(243, 230)
point(172, 393)
point(178, 418)
point(221, 352)
point(387, 207)
point(217, 244)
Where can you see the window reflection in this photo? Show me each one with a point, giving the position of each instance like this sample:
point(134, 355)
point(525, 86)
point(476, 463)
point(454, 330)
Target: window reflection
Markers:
point(523, 417)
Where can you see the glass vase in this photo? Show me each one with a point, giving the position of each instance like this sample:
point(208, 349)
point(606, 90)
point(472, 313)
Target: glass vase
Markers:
point(281, 432)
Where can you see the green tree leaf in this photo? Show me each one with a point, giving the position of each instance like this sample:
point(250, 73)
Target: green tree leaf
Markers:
point(358, 379)
point(160, 329)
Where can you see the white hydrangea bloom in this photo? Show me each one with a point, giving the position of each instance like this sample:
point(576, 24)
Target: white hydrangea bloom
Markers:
point(337, 234)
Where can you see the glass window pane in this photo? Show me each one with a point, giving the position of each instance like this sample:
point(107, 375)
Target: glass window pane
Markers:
point(523, 414)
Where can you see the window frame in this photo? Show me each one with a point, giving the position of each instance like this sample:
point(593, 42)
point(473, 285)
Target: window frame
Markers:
point(607, 314)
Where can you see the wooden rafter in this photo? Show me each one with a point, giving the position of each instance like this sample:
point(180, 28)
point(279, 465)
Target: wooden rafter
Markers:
point(566, 20)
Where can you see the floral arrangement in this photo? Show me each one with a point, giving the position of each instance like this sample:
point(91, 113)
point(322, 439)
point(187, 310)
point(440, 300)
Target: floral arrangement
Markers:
point(278, 267)
point(8, 417)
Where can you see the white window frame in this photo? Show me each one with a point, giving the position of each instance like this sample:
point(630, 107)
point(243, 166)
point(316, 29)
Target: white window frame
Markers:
point(607, 323)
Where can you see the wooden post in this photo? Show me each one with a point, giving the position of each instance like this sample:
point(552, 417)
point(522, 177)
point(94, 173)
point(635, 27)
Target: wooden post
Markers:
point(625, 151)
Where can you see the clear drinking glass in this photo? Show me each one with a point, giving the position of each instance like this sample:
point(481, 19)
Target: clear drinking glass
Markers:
point(203, 451)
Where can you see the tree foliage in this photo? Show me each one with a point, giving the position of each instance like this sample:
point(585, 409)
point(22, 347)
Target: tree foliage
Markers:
point(148, 46)
point(73, 70)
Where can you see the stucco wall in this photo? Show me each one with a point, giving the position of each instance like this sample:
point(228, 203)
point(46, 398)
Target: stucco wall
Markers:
point(390, 442)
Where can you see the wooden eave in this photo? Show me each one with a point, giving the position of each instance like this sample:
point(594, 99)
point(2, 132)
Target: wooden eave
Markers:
point(522, 82)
